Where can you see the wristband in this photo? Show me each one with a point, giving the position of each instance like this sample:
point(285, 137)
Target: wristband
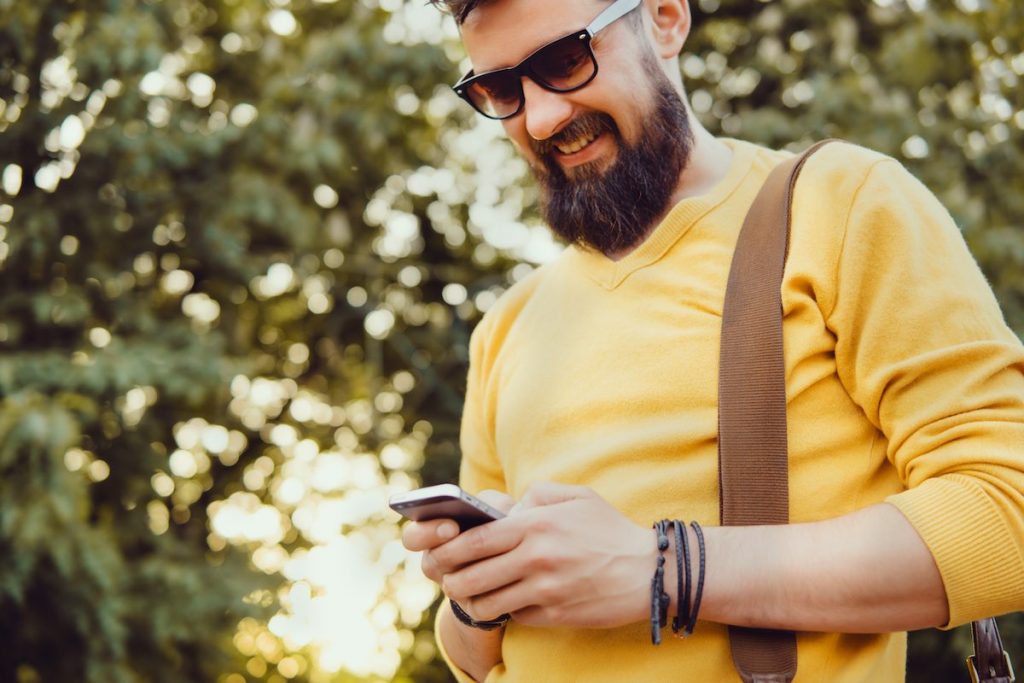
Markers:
point(659, 598)
point(682, 617)
point(700, 577)
point(483, 625)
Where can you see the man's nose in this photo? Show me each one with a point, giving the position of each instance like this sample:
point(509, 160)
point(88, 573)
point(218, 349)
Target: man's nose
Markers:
point(546, 112)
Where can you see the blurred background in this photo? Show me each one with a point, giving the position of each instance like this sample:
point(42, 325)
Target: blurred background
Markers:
point(242, 246)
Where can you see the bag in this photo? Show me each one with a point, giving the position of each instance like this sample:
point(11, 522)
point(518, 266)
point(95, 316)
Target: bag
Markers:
point(753, 464)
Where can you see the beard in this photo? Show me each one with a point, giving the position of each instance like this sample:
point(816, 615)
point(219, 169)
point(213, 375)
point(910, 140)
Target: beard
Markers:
point(613, 210)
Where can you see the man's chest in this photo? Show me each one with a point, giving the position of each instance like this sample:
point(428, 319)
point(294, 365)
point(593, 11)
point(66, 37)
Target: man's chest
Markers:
point(620, 393)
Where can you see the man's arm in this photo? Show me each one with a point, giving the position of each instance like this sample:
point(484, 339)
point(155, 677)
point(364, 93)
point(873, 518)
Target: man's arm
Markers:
point(567, 558)
point(865, 572)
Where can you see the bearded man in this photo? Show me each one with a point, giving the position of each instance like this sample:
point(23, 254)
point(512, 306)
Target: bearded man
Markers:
point(591, 405)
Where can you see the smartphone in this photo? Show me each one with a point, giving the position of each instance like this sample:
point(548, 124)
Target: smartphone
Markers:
point(444, 500)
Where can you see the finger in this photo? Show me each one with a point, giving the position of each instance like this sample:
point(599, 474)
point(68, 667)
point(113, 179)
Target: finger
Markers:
point(428, 565)
point(418, 536)
point(434, 569)
point(478, 543)
point(484, 576)
point(551, 493)
point(492, 605)
point(497, 499)
point(525, 603)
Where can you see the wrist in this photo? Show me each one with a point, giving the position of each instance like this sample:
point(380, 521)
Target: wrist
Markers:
point(682, 566)
point(473, 651)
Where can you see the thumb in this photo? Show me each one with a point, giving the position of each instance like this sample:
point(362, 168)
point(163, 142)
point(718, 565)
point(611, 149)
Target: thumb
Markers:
point(550, 493)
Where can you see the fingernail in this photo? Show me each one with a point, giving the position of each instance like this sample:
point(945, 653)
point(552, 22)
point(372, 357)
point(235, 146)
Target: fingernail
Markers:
point(447, 531)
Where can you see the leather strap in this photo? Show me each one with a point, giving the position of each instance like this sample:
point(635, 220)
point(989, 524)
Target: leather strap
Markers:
point(753, 461)
point(753, 458)
point(990, 663)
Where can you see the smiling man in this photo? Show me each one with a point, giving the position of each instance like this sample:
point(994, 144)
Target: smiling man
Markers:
point(591, 403)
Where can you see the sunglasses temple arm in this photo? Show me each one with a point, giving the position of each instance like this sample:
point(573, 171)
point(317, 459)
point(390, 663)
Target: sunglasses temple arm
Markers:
point(462, 82)
point(616, 11)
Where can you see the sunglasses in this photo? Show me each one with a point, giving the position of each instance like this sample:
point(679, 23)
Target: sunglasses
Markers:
point(563, 65)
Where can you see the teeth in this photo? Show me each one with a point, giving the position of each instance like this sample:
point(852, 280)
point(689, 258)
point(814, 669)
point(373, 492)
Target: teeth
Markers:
point(576, 145)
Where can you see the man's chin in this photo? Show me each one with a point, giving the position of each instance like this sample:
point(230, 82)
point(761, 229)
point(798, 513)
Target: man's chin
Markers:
point(588, 170)
point(550, 168)
point(614, 199)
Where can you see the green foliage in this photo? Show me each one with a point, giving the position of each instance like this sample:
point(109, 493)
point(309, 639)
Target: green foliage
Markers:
point(197, 192)
point(936, 85)
point(148, 214)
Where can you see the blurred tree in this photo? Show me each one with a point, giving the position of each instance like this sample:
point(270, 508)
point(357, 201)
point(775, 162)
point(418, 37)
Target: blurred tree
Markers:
point(242, 245)
point(936, 84)
point(218, 297)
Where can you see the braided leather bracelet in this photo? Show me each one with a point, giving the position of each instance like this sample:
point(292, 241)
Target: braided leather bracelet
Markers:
point(682, 617)
point(700, 577)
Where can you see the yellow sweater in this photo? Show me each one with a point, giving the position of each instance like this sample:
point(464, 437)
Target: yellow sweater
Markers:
point(904, 384)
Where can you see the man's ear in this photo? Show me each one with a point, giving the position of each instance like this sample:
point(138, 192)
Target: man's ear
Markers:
point(670, 26)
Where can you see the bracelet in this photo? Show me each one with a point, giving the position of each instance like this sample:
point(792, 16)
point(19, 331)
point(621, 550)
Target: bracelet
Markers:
point(700, 577)
point(483, 625)
point(682, 617)
point(659, 598)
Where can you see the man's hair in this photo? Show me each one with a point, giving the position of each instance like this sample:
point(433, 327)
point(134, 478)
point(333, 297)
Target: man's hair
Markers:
point(459, 9)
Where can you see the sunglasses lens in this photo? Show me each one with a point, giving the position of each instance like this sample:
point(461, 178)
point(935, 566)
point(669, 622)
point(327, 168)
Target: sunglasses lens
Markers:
point(565, 64)
point(496, 95)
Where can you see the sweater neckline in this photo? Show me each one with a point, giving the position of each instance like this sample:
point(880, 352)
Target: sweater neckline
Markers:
point(610, 274)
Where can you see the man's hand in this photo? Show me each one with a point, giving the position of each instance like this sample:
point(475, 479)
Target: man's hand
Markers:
point(474, 651)
point(563, 557)
point(431, 534)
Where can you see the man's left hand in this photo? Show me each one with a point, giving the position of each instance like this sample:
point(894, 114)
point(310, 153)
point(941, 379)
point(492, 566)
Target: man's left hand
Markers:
point(563, 557)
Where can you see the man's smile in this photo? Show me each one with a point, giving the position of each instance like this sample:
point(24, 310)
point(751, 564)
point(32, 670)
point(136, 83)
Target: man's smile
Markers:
point(584, 150)
point(579, 143)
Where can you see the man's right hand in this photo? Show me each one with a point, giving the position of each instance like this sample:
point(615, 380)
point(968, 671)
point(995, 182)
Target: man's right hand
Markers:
point(474, 651)
point(430, 534)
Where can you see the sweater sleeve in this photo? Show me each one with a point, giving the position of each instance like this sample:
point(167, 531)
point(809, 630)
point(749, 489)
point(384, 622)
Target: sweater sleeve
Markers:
point(922, 347)
point(480, 467)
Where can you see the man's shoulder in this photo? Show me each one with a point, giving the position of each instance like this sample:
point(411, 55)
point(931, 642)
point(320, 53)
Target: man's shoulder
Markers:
point(837, 157)
point(503, 314)
point(830, 177)
point(841, 159)
point(833, 177)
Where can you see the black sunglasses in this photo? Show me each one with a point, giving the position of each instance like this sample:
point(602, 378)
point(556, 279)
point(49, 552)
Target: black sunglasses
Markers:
point(562, 65)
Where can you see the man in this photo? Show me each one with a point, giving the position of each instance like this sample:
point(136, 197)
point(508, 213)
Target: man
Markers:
point(592, 394)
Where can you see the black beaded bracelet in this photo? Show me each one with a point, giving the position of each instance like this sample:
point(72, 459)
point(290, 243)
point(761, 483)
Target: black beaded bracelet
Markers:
point(483, 625)
point(682, 617)
point(700, 577)
point(659, 598)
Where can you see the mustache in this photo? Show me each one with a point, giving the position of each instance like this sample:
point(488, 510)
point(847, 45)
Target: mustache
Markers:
point(589, 124)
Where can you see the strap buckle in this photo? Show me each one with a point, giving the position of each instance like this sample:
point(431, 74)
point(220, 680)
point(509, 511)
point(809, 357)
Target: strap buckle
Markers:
point(972, 669)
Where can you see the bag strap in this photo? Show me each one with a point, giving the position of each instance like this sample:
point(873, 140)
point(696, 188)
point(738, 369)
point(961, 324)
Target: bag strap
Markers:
point(753, 457)
point(990, 663)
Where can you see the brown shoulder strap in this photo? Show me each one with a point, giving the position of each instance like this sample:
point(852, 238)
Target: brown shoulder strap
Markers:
point(753, 462)
point(753, 458)
point(990, 663)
